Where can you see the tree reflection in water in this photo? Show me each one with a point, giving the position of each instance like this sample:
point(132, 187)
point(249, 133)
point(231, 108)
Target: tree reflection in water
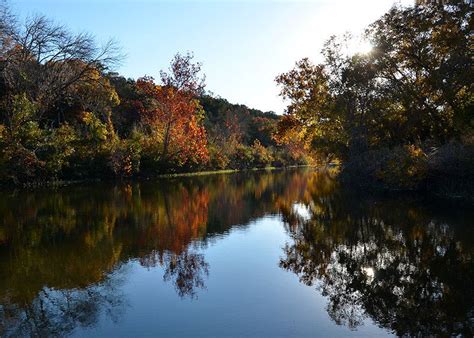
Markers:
point(408, 268)
point(64, 253)
point(59, 249)
point(186, 271)
point(56, 312)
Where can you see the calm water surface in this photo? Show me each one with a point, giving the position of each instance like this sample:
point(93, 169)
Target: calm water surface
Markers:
point(289, 253)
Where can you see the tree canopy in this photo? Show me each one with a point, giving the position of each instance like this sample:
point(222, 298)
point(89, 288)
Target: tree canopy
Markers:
point(413, 91)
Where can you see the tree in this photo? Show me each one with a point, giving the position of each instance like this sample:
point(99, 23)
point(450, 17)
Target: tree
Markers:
point(311, 117)
point(413, 91)
point(173, 114)
point(425, 69)
point(45, 60)
point(7, 29)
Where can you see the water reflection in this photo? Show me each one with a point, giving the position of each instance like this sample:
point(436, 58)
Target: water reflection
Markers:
point(57, 312)
point(58, 248)
point(407, 266)
point(64, 254)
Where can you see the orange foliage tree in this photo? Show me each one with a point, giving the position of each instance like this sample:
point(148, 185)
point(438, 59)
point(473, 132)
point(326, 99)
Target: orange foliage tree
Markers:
point(172, 113)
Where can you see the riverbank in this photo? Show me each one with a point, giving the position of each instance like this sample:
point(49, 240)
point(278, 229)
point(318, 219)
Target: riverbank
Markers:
point(452, 189)
point(62, 183)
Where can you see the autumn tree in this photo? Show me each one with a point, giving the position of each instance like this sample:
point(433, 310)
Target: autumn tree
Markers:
point(52, 81)
point(389, 108)
point(172, 114)
point(46, 59)
point(311, 118)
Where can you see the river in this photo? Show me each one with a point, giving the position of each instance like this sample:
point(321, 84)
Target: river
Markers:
point(259, 254)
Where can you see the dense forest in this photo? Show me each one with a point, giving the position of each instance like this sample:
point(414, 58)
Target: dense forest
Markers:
point(64, 113)
point(400, 116)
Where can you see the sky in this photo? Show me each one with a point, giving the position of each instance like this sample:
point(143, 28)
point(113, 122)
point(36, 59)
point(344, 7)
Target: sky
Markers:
point(242, 45)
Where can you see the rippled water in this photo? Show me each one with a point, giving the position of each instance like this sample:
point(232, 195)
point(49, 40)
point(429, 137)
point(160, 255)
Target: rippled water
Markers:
point(286, 253)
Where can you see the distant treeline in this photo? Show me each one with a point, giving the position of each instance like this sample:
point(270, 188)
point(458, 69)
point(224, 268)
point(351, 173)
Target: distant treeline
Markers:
point(65, 115)
point(400, 116)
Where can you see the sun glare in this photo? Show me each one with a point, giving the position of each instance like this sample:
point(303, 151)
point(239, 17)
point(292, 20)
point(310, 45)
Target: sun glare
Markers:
point(359, 46)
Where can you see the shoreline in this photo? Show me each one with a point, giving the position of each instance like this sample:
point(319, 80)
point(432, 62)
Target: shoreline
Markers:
point(64, 183)
point(449, 196)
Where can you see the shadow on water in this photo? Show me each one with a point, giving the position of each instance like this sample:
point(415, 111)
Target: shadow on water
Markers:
point(64, 254)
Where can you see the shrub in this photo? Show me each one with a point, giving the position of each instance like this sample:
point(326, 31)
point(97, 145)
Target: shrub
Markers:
point(451, 170)
point(58, 149)
point(402, 167)
point(453, 159)
point(217, 157)
point(92, 151)
point(125, 158)
point(21, 137)
point(262, 156)
point(22, 165)
point(242, 157)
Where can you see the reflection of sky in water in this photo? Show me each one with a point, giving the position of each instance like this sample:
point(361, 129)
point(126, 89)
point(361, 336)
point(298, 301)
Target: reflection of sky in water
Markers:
point(246, 294)
point(370, 273)
point(286, 253)
point(302, 211)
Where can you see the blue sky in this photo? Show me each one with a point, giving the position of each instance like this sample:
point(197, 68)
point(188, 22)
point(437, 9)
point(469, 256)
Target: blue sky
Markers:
point(243, 45)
